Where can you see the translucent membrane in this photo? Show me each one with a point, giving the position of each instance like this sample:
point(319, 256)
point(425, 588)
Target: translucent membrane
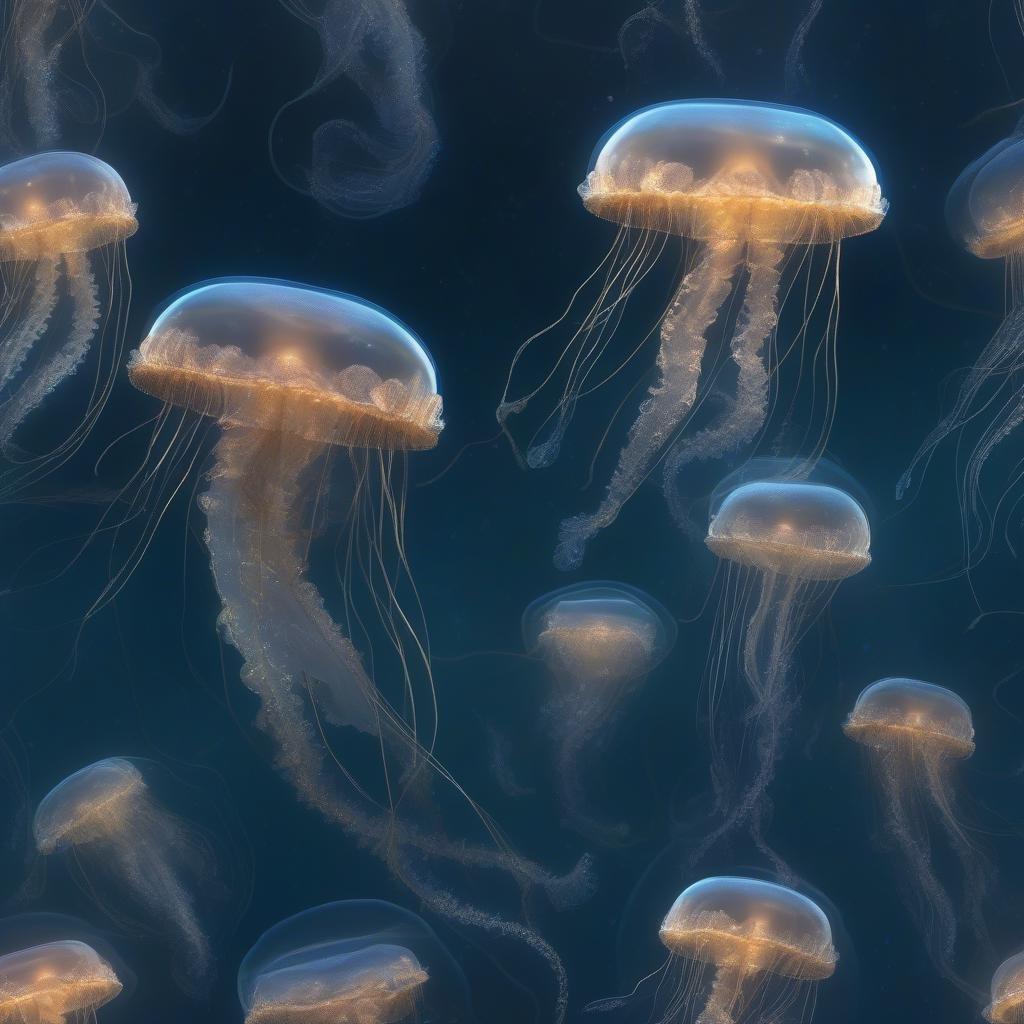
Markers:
point(900, 712)
point(720, 169)
point(274, 355)
point(985, 206)
point(599, 631)
point(50, 982)
point(808, 531)
point(751, 925)
point(58, 203)
point(1006, 1005)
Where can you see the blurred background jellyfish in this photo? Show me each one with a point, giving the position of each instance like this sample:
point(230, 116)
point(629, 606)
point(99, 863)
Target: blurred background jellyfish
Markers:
point(1006, 1003)
point(295, 376)
point(599, 640)
point(740, 949)
point(64, 218)
point(369, 164)
point(914, 733)
point(363, 961)
point(122, 842)
point(985, 213)
point(785, 544)
point(753, 185)
point(54, 983)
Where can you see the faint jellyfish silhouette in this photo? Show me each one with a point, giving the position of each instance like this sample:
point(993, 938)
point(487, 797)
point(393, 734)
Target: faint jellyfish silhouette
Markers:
point(124, 842)
point(64, 218)
point(752, 183)
point(295, 375)
point(740, 949)
point(1006, 1004)
point(369, 166)
point(364, 961)
point(599, 641)
point(914, 733)
point(786, 545)
point(985, 213)
point(56, 983)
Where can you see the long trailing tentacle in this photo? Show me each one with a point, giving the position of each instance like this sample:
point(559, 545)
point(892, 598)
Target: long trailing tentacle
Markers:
point(745, 416)
point(697, 303)
point(31, 326)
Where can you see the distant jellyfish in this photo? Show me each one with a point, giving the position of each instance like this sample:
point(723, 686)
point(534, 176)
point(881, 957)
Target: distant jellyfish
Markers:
point(599, 641)
point(305, 383)
point(915, 733)
point(786, 544)
point(131, 852)
point(56, 983)
point(375, 158)
point(740, 949)
point(64, 218)
point(1006, 1005)
point(359, 961)
point(985, 213)
point(753, 184)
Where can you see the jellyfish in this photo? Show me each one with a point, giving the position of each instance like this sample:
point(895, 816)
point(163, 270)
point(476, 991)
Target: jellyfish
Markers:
point(64, 218)
point(599, 641)
point(1006, 1005)
point(355, 962)
point(740, 949)
point(985, 213)
point(786, 544)
point(56, 983)
point(914, 733)
point(293, 376)
point(119, 837)
point(364, 167)
point(756, 186)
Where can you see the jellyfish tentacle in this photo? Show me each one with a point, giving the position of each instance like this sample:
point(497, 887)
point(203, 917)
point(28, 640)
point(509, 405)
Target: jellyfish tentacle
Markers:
point(18, 345)
point(81, 285)
point(695, 307)
point(39, 63)
point(746, 413)
point(726, 993)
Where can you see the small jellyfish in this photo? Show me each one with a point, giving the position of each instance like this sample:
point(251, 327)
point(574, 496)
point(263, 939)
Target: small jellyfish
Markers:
point(786, 545)
point(121, 839)
point(599, 640)
point(1006, 1005)
point(377, 161)
point(64, 218)
point(740, 949)
point(354, 961)
point(914, 733)
point(985, 213)
point(62, 982)
point(753, 184)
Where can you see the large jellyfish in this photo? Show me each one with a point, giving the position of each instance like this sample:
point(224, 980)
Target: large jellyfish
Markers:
point(294, 375)
point(753, 185)
point(985, 213)
point(376, 160)
point(599, 640)
point(64, 218)
point(121, 840)
point(914, 733)
point(1006, 1003)
point(786, 544)
point(62, 982)
point(740, 949)
point(363, 961)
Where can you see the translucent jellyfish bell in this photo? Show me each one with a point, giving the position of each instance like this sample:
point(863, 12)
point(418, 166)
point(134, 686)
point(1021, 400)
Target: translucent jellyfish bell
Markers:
point(1006, 1005)
point(753, 926)
point(899, 712)
point(55, 982)
point(713, 169)
point(262, 353)
point(812, 531)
